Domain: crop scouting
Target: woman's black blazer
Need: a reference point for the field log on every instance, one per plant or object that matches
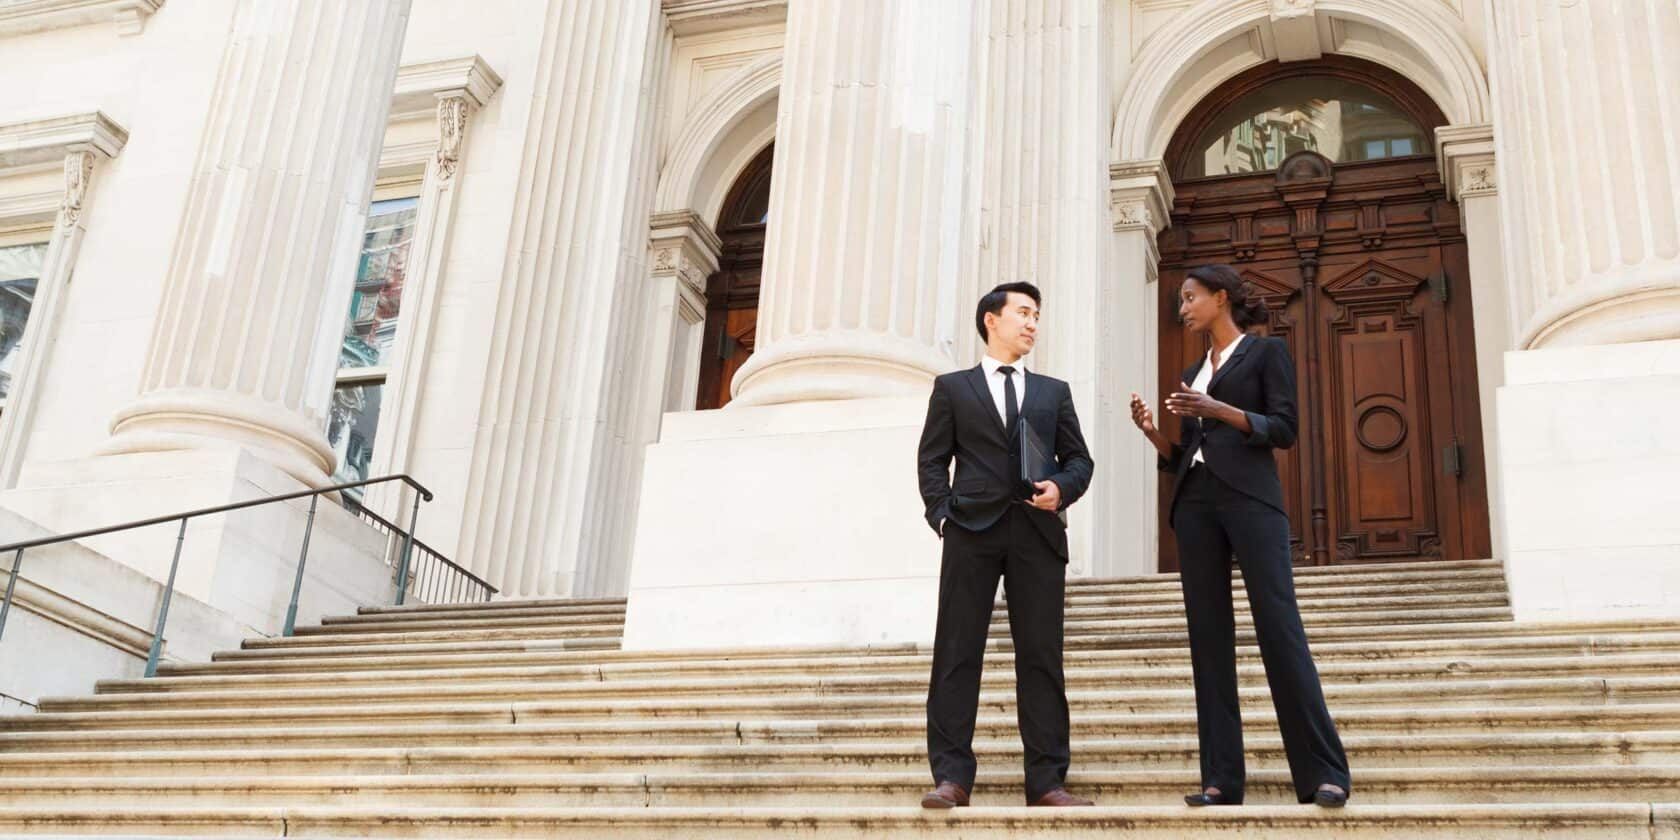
(1259, 379)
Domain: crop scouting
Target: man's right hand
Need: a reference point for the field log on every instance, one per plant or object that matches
(1142, 416)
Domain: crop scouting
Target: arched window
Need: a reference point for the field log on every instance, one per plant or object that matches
(1344, 119)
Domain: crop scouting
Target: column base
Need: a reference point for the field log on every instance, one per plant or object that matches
(784, 525)
(838, 366)
(241, 563)
(203, 419)
(1589, 461)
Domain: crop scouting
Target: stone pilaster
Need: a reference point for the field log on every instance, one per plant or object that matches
(1587, 110)
(246, 340)
(457, 89)
(684, 251)
(82, 143)
(1471, 174)
(867, 230)
(1140, 205)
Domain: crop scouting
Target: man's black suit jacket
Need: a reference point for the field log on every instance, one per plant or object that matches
(1259, 379)
(963, 423)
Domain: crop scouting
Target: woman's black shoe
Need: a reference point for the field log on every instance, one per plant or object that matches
(1198, 800)
(1330, 798)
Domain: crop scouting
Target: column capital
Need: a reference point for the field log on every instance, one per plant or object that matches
(1466, 157)
(683, 246)
(1140, 196)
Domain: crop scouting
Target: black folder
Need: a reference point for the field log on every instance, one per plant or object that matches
(1037, 460)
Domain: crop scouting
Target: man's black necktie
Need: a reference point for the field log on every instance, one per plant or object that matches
(1011, 407)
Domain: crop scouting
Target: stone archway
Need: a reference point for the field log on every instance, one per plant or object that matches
(1202, 48)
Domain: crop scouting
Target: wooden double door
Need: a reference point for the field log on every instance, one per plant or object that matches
(1364, 270)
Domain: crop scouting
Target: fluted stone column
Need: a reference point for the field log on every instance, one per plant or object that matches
(554, 460)
(1588, 110)
(1044, 208)
(866, 229)
(246, 340)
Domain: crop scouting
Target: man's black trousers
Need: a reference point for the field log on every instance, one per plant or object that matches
(1034, 577)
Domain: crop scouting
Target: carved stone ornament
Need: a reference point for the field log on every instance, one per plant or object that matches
(1478, 180)
(665, 259)
(78, 171)
(452, 127)
(1291, 8)
(693, 278)
(1128, 214)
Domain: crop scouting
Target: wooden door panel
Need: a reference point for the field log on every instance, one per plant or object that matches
(1393, 391)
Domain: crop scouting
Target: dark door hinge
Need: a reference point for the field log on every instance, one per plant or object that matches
(727, 345)
(1440, 285)
(1452, 458)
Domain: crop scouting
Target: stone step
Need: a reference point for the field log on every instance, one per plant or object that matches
(748, 677)
(1073, 630)
(1489, 590)
(1598, 821)
(531, 703)
(1305, 576)
(1073, 615)
(1264, 751)
(909, 657)
(471, 612)
(498, 604)
(597, 624)
(1355, 617)
(72, 736)
(1376, 786)
(270, 650)
(1491, 584)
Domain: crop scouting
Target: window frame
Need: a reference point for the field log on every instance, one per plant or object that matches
(394, 187)
(11, 236)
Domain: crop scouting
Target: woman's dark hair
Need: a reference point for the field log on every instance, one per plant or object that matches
(1247, 309)
(996, 299)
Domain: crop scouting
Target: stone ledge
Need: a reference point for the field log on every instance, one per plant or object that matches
(25, 16)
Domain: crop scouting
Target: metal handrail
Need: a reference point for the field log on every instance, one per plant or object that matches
(314, 496)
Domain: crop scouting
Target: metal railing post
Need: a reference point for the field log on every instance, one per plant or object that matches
(11, 584)
(163, 610)
(297, 584)
(408, 546)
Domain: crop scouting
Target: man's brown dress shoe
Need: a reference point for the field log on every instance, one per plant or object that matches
(946, 795)
(1059, 798)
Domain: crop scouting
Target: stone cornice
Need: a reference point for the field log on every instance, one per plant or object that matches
(420, 86)
(697, 17)
(48, 141)
(24, 16)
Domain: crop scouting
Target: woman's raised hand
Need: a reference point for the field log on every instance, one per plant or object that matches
(1142, 416)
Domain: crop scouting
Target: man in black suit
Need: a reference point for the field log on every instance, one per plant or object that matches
(994, 526)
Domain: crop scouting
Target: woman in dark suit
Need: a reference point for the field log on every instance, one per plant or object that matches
(1234, 407)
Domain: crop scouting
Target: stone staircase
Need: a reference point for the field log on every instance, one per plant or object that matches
(523, 719)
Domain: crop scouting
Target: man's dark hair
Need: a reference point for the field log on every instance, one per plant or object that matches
(996, 299)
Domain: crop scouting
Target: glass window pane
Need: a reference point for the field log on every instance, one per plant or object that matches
(20, 270)
(1342, 120)
(371, 327)
(350, 425)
